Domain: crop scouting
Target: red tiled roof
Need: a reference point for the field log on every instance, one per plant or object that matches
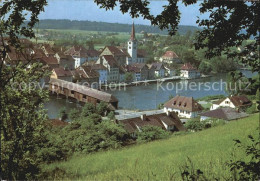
(240, 100)
(61, 72)
(78, 51)
(110, 60)
(187, 66)
(184, 103)
(170, 54)
(90, 73)
(115, 51)
(49, 60)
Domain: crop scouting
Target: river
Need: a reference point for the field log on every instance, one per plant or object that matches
(145, 97)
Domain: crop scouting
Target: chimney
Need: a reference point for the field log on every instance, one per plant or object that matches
(143, 117)
(167, 112)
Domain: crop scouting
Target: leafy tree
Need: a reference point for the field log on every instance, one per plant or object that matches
(88, 109)
(101, 108)
(195, 125)
(204, 68)
(150, 133)
(111, 115)
(21, 110)
(129, 77)
(74, 114)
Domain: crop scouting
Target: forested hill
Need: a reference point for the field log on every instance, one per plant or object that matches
(103, 26)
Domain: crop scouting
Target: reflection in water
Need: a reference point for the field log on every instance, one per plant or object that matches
(145, 97)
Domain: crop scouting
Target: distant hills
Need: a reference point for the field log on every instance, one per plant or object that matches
(109, 27)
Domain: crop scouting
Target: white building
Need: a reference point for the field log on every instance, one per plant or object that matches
(112, 67)
(240, 102)
(79, 54)
(189, 72)
(186, 107)
(159, 70)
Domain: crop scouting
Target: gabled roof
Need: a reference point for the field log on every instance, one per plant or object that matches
(238, 101)
(170, 54)
(226, 113)
(115, 51)
(187, 66)
(61, 72)
(90, 73)
(103, 96)
(132, 124)
(136, 67)
(110, 60)
(78, 51)
(49, 60)
(184, 103)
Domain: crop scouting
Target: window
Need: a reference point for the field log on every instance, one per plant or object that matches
(84, 97)
(72, 92)
(129, 47)
(227, 102)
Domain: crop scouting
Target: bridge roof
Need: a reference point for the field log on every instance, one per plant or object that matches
(103, 96)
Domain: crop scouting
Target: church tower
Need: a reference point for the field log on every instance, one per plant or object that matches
(132, 45)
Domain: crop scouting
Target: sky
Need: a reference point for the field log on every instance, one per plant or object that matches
(88, 10)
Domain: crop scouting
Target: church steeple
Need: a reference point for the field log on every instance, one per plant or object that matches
(132, 47)
(133, 32)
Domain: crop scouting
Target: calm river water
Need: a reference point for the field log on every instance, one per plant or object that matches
(145, 97)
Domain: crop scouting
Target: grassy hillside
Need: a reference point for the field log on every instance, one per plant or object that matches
(161, 160)
(103, 26)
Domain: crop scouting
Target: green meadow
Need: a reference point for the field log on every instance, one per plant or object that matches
(209, 150)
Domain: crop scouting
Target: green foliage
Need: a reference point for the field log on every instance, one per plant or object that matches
(209, 98)
(101, 108)
(74, 114)
(210, 148)
(151, 133)
(111, 115)
(129, 77)
(252, 109)
(247, 168)
(204, 68)
(88, 109)
(63, 113)
(195, 124)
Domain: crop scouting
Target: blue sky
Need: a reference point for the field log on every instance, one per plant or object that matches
(88, 10)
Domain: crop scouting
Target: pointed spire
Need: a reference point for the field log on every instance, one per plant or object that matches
(133, 32)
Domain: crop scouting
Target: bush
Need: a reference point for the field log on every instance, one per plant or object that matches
(111, 115)
(150, 133)
(195, 124)
(252, 109)
(101, 108)
(74, 114)
(88, 109)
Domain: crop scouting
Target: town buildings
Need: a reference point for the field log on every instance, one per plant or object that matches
(170, 57)
(189, 72)
(186, 107)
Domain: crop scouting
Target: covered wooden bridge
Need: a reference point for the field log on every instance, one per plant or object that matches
(81, 93)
